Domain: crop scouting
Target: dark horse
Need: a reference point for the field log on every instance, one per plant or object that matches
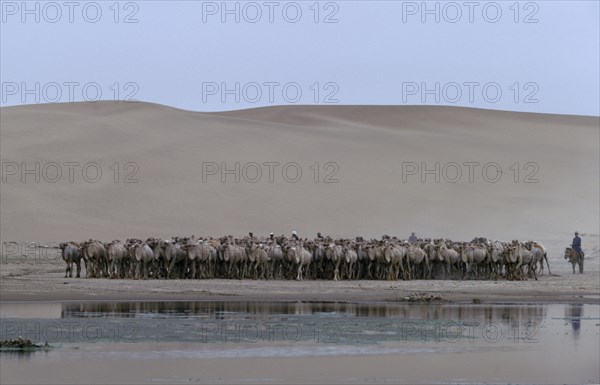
(575, 258)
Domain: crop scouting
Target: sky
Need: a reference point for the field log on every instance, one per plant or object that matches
(533, 56)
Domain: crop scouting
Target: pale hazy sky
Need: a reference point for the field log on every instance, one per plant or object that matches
(540, 56)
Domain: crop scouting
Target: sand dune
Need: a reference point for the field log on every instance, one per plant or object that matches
(368, 143)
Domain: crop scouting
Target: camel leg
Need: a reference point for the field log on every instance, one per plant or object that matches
(547, 264)
(533, 268)
(193, 272)
(336, 272)
(138, 270)
(446, 269)
(145, 270)
(171, 268)
(349, 268)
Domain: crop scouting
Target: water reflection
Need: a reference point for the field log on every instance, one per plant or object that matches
(224, 310)
(574, 313)
(30, 310)
(23, 356)
(348, 326)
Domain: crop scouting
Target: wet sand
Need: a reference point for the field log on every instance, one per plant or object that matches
(495, 365)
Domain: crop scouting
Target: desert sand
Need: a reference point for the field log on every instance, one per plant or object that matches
(367, 143)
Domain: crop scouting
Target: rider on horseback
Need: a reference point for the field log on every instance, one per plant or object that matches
(576, 245)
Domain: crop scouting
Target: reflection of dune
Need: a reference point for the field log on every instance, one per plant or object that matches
(368, 143)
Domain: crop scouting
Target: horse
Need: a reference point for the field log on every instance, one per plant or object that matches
(575, 258)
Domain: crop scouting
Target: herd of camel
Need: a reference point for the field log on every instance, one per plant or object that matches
(296, 258)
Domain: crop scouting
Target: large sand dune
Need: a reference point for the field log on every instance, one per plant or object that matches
(368, 143)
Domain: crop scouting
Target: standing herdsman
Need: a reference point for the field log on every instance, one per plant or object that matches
(576, 245)
(412, 238)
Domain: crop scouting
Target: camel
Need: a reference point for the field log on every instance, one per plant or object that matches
(394, 257)
(71, 254)
(301, 259)
(334, 254)
(539, 254)
(363, 260)
(117, 259)
(178, 260)
(496, 252)
(94, 256)
(415, 256)
(451, 257)
(476, 259)
(351, 258)
(258, 258)
(319, 259)
(160, 263)
(375, 260)
(275, 254)
(234, 257)
(200, 257)
(144, 256)
(518, 258)
(431, 255)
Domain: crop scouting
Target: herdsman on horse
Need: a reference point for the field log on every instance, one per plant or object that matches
(575, 253)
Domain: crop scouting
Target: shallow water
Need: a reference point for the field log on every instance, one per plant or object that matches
(176, 331)
(368, 325)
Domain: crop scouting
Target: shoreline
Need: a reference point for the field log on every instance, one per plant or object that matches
(45, 282)
(464, 292)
